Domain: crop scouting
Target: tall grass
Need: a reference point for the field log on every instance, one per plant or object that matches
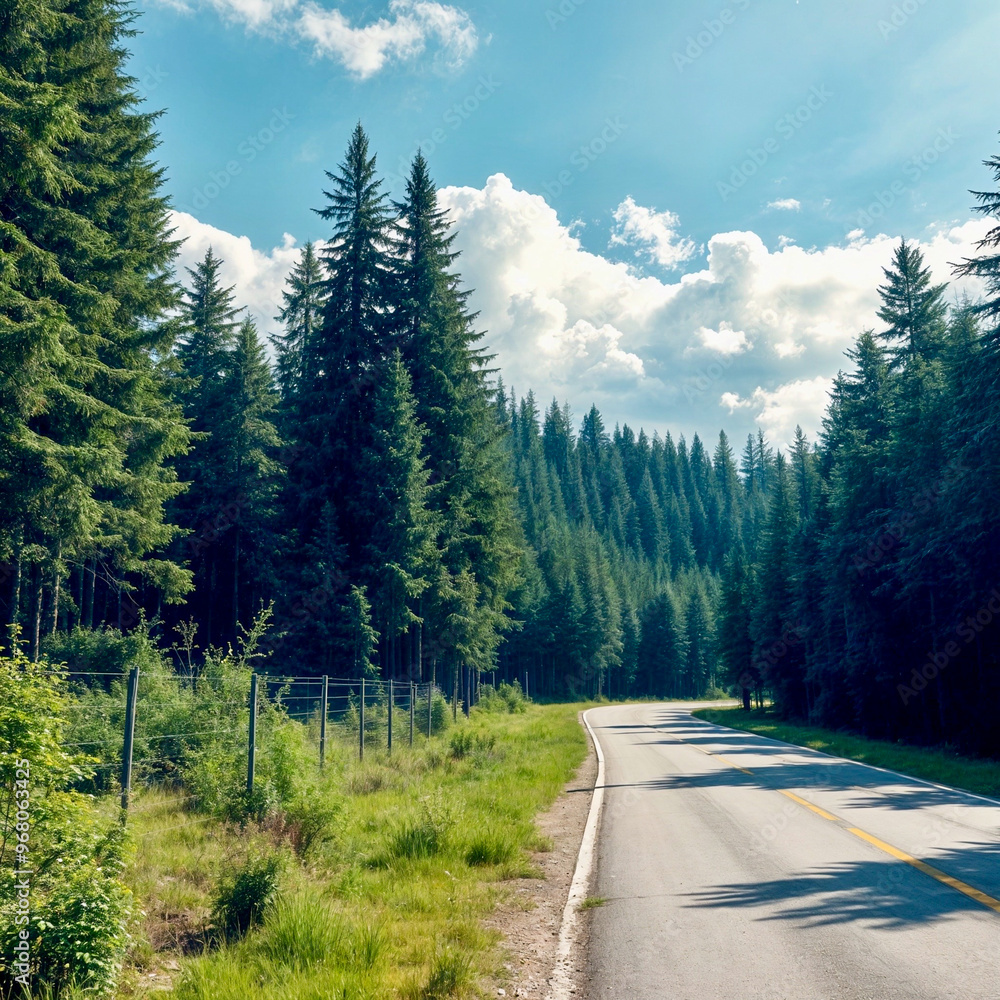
(392, 904)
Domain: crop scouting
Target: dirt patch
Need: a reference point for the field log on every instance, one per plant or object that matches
(531, 913)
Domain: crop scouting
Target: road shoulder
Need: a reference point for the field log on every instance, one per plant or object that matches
(530, 913)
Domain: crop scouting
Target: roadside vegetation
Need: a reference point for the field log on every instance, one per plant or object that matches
(940, 764)
(361, 879)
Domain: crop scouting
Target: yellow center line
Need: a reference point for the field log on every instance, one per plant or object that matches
(934, 873)
(719, 756)
(809, 805)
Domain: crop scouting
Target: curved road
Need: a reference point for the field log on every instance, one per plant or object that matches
(739, 867)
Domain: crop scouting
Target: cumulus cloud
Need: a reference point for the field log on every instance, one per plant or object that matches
(725, 340)
(258, 275)
(785, 205)
(779, 412)
(751, 321)
(652, 234)
(411, 27)
(754, 337)
(405, 35)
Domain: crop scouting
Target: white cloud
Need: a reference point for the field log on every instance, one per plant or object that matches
(785, 205)
(363, 50)
(779, 412)
(753, 338)
(653, 233)
(725, 340)
(258, 276)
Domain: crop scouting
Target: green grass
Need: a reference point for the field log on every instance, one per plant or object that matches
(392, 904)
(592, 902)
(932, 764)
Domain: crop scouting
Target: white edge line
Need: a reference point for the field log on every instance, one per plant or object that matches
(857, 763)
(561, 983)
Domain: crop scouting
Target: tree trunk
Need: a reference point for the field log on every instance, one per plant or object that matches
(236, 581)
(36, 628)
(56, 580)
(90, 582)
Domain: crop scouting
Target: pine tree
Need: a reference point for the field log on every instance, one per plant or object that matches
(986, 266)
(330, 423)
(912, 307)
(210, 506)
(401, 559)
(84, 281)
(247, 443)
(463, 440)
(303, 302)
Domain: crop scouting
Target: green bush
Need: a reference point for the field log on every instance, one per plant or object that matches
(80, 937)
(450, 974)
(312, 820)
(304, 932)
(507, 698)
(102, 651)
(79, 907)
(242, 898)
(426, 835)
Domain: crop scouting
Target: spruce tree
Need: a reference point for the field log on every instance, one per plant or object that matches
(85, 254)
(301, 314)
(912, 307)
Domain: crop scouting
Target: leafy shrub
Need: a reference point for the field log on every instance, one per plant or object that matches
(79, 939)
(311, 820)
(102, 651)
(508, 698)
(243, 898)
(79, 908)
(426, 836)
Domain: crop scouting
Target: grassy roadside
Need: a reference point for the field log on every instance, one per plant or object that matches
(389, 902)
(931, 764)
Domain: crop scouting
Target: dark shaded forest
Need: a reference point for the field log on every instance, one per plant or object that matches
(369, 483)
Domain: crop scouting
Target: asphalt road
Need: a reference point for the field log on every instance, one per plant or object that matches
(808, 878)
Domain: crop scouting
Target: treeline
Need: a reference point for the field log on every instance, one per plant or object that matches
(402, 512)
(871, 599)
(626, 536)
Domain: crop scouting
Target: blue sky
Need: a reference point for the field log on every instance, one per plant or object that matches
(653, 132)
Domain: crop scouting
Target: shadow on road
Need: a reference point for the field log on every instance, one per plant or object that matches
(889, 894)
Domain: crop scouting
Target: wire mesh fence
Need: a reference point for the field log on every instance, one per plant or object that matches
(152, 728)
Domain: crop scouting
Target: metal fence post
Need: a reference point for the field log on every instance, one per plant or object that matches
(322, 720)
(430, 705)
(361, 728)
(413, 709)
(252, 738)
(132, 691)
(392, 698)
